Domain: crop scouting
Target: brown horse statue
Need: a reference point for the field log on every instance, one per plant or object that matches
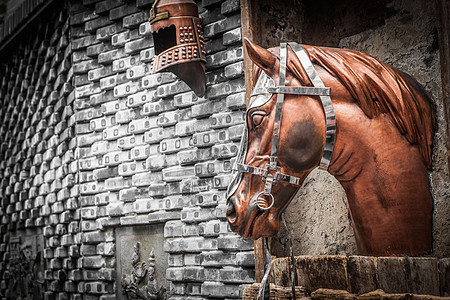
(378, 137)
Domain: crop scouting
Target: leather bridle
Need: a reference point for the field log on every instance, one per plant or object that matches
(271, 173)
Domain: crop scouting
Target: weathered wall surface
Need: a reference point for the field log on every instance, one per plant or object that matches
(99, 154)
(408, 41)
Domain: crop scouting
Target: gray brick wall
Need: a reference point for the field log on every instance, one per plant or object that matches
(151, 151)
(92, 141)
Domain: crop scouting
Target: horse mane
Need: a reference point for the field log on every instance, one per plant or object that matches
(379, 89)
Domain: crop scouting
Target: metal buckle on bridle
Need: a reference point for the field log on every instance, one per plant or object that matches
(269, 181)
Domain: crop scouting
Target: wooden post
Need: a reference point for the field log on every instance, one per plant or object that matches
(250, 23)
(251, 29)
(443, 26)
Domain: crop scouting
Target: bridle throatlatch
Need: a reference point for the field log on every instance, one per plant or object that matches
(263, 91)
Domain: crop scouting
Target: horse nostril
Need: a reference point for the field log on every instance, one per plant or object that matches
(231, 212)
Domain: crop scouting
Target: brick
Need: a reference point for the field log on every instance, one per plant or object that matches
(197, 214)
(225, 150)
(117, 183)
(108, 57)
(235, 132)
(154, 80)
(139, 98)
(134, 20)
(93, 25)
(232, 36)
(191, 126)
(236, 101)
(154, 108)
(246, 259)
(119, 39)
(237, 275)
(131, 168)
(83, 42)
(138, 72)
(234, 70)
(100, 73)
(141, 125)
(102, 147)
(98, 236)
(217, 258)
(230, 6)
(189, 244)
(146, 56)
(207, 108)
(115, 132)
(209, 138)
(135, 46)
(140, 152)
(102, 123)
(221, 290)
(100, 98)
(171, 89)
(234, 242)
(176, 202)
(106, 5)
(175, 274)
(121, 11)
(223, 25)
(91, 188)
(126, 89)
(125, 116)
(104, 173)
(177, 173)
(122, 64)
(87, 90)
(116, 158)
(161, 216)
(145, 29)
(95, 50)
(108, 83)
(144, 3)
(105, 198)
(155, 135)
(192, 156)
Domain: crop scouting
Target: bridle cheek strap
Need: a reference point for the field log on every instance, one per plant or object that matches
(320, 90)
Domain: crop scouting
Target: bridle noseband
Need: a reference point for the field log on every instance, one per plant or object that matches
(272, 178)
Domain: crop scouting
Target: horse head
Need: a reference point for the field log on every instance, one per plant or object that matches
(301, 137)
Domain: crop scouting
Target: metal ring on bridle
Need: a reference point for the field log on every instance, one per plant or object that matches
(259, 205)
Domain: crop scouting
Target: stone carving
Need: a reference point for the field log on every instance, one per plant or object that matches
(134, 286)
(25, 272)
(368, 124)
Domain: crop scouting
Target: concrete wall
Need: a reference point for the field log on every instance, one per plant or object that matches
(92, 142)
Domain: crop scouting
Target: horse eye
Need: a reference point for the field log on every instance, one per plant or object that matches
(257, 119)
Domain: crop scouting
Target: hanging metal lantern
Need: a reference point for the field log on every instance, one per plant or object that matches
(179, 43)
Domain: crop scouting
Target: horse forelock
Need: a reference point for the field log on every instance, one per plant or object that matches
(377, 88)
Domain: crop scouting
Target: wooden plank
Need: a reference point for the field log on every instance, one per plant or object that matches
(443, 26)
(250, 23)
(251, 30)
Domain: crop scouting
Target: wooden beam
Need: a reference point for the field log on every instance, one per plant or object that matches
(250, 23)
(251, 29)
(443, 26)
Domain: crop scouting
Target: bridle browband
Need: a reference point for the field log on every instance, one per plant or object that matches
(320, 90)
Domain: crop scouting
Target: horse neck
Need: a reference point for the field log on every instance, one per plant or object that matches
(384, 176)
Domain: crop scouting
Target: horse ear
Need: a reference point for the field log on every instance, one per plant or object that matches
(263, 58)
